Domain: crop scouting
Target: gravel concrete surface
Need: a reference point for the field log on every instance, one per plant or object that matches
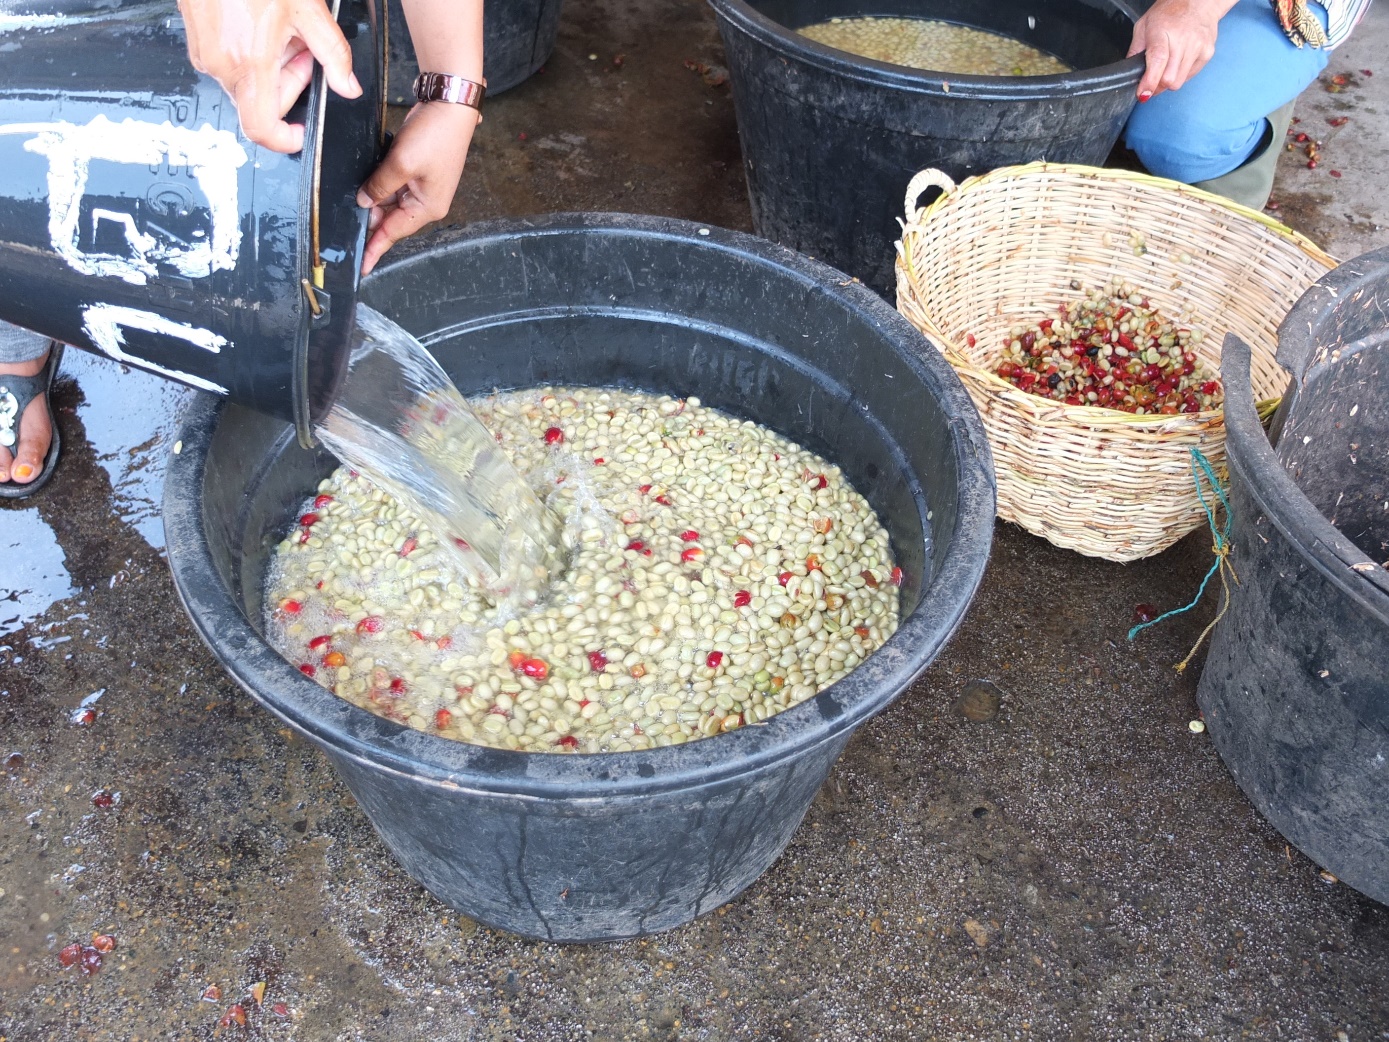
(1030, 844)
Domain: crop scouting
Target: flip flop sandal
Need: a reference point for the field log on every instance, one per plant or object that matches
(16, 392)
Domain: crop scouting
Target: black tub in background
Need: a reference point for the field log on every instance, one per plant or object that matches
(572, 847)
(831, 139)
(518, 36)
(1295, 690)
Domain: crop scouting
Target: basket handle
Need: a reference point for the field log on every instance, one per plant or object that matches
(928, 178)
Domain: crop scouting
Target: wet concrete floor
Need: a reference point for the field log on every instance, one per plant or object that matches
(1029, 844)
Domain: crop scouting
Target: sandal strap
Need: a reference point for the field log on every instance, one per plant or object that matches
(24, 389)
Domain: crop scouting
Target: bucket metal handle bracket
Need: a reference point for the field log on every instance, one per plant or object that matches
(321, 307)
(320, 303)
(318, 299)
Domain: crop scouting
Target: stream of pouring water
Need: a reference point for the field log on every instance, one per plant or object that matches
(400, 421)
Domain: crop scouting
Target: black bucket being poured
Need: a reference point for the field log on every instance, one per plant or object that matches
(137, 222)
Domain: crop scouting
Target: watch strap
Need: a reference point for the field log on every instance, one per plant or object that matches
(442, 86)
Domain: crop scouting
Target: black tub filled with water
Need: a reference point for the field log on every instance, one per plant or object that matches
(589, 847)
(1296, 688)
(830, 139)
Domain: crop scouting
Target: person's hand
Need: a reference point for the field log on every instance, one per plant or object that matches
(262, 53)
(1178, 37)
(415, 183)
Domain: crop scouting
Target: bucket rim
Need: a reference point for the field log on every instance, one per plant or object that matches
(1299, 334)
(1099, 80)
(1297, 519)
(344, 730)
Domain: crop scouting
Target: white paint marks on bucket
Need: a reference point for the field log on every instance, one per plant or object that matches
(212, 156)
(103, 323)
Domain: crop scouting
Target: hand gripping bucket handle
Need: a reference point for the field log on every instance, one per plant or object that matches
(137, 222)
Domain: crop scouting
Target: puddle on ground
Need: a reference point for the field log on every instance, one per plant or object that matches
(129, 418)
(34, 573)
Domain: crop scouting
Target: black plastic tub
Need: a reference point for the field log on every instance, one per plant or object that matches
(606, 846)
(518, 36)
(831, 139)
(1295, 690)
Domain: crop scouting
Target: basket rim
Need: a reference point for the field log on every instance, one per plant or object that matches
(915, 219)
(1085, 415)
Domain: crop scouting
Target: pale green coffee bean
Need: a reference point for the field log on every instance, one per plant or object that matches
(676, 614)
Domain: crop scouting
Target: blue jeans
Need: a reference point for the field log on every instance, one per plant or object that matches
(1216, 120)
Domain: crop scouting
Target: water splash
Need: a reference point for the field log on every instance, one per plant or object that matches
(400, 421)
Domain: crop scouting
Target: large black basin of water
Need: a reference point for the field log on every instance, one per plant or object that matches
(572, 847)
(1296, 688)
(830, 139)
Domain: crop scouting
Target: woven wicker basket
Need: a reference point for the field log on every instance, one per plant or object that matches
(1007, 247)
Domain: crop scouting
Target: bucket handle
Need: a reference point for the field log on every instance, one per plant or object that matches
(928, 178)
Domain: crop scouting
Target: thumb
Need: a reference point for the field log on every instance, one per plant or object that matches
(1158, 52)
(315, 26)
(396, 225)
(383, 184)
(256, 96)
(1140, 39)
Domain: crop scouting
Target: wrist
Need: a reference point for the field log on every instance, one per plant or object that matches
(447, 35)
(461, 119)
(456, 90)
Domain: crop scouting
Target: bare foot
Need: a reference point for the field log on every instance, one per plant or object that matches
(35, 431)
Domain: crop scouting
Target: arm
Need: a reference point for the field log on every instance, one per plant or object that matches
(1178, 37)
(262, 53)
(416, 182)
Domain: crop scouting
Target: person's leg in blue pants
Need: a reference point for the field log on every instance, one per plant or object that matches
(1219, 121)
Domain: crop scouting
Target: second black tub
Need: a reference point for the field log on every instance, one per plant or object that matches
(1296, 687)
(831, 139)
